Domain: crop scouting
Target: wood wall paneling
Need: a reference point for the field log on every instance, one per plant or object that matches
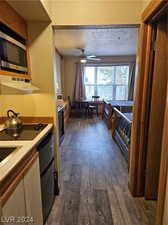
(160, 13)
(158, 100)
(163, 170)
(146, 96)
(134, 176)
(152, 9)
(161, 216)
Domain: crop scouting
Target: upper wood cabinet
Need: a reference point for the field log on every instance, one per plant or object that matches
(12, 19)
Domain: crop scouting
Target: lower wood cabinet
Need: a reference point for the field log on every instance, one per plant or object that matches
(67, 109)
(66, 113)
(14, 208)
(22, 199)
(32, 190)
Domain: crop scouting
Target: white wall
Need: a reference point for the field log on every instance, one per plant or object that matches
(57, 71)
(69, 73)
(86, 12)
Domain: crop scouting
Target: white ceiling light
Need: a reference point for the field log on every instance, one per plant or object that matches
(83, 60)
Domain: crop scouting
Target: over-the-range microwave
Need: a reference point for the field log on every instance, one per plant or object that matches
(13, 56)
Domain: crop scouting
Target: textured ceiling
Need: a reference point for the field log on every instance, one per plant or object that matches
(100, 42)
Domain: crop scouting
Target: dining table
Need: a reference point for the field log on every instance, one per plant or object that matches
(85, 102)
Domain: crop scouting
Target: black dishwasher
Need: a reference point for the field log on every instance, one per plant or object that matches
(47, 169)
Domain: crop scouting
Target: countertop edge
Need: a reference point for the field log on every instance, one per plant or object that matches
(24, 148)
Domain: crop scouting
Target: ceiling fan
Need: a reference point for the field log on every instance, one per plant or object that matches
(85, 58)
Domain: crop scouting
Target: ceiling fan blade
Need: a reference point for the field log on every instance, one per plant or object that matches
(91, 56)
(87, 57)
(94, 59)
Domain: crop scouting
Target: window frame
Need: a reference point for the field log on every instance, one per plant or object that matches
(95, 85)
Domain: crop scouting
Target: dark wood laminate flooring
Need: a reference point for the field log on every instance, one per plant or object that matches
(94, 179)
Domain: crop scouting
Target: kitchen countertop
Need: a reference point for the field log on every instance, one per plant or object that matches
(24, 147)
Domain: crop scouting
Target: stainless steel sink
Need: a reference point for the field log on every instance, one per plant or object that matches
(5, 152)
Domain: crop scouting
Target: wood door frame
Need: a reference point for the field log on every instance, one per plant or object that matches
(154, 11)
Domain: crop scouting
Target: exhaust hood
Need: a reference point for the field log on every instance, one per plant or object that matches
(17, 85)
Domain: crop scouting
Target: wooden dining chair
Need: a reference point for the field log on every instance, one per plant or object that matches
(95, 97)
(85, 107)
(94, 106)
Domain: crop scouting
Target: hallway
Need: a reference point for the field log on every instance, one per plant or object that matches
(94, 175)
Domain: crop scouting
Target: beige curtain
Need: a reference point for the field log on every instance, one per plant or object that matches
(79, 90)
(131, 82)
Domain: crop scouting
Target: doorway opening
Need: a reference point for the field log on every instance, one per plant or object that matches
(108, 87)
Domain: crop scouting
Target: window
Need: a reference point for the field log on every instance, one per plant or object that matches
(108, 82)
